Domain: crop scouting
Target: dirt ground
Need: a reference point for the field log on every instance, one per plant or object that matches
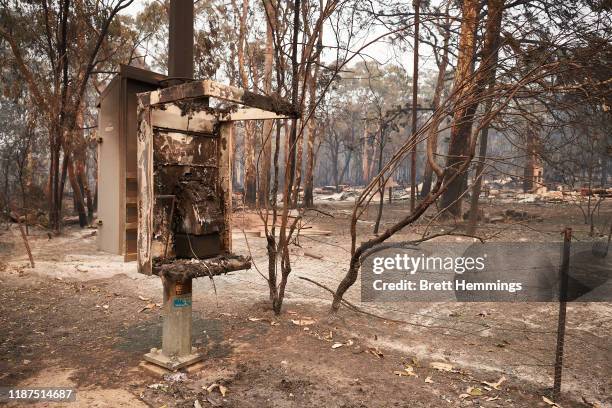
(84, 319)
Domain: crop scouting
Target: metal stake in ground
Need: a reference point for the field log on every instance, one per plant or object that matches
(563, 280)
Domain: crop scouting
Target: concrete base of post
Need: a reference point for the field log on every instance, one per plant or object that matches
(176, 349)
(173, 363)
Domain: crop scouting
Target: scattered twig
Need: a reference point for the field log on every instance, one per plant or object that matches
(357, 309)
(315, 256)
(25, 238)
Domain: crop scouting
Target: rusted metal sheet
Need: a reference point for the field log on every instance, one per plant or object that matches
(146, 191)
(207, 88)
(181, 148)
(225, 182)
(234, 114)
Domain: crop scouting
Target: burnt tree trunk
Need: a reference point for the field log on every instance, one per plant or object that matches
(381, 185)
(250, 174)
(461, 127)
(432, 137)
(310, 159)
(78, 195)
(266, 140)
(53, 185)
(312, 130)
(489, 63)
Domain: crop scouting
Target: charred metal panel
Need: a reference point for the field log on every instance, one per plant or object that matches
(183, 192)
(186, 169)
(206, 88)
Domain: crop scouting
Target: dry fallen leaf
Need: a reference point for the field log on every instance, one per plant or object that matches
(255, 319)
(147, 307)
(474, 391)
(375, 351)
(211, 387)
(406, 373)
(428, 380)
(144, 299)
(441, 366)
(492, 399)
(303, 322)
(222, 390)
(495, 385)
(551, 403)
(337, 345)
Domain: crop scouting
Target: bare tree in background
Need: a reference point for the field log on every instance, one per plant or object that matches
(56, 61)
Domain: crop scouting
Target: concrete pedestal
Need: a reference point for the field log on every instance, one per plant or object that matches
(176, 349)
(173, 363)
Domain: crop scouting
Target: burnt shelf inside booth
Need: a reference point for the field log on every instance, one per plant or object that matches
(184, 176)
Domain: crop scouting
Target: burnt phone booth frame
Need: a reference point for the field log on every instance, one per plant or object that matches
(185, 154)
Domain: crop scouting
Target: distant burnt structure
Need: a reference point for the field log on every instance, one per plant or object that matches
(533, 173)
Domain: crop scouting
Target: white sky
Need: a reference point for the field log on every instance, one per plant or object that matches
(381, 51)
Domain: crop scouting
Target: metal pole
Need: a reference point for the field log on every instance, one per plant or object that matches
(180, 39)
(415, 87)
(563, 276)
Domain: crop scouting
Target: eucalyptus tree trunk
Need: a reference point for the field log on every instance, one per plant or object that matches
(312, 129)
(432, 137)
(266, 139)
(250, 174)
(489, 64)
(463, 117)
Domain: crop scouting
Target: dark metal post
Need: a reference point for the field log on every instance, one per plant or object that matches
(563, 276)
(180, 45)
(415, 88)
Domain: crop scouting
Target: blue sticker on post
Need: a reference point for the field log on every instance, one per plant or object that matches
(179, 302)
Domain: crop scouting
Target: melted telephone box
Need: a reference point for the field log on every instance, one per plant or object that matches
(185, 195)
